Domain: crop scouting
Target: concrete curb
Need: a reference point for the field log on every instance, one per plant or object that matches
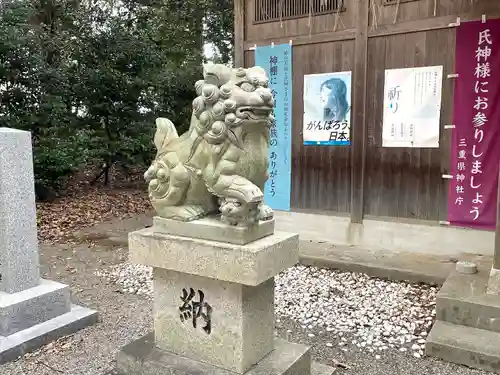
(376, 270)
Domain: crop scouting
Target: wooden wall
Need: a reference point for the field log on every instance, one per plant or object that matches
(407, 182)
(394, 182)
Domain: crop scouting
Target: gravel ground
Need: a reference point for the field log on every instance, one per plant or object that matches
(91, 351)
(372, 314)
(358, 362)
(352, 309)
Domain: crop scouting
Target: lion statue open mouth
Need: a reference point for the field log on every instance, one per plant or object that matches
(220, 163)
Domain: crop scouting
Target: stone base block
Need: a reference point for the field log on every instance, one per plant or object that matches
(494, 283)
(32, 306)
(141, 357)
(250, 264)
(214, 230)
(27, 340)
(467, 346)
(316, 369)
(224, 324)
(463, 300)
(467, 330)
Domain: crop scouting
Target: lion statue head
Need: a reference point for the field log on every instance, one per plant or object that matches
(228, 98)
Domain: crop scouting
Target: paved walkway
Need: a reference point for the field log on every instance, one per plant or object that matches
(384, 264)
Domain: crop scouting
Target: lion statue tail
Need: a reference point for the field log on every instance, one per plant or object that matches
(165, 133)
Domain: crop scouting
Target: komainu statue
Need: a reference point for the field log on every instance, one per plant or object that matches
(220, 163)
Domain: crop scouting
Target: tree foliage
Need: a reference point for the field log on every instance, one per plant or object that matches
(219, 18)
(89, 77)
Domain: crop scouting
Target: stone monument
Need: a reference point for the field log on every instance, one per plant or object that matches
(33, 311)
(212, 246)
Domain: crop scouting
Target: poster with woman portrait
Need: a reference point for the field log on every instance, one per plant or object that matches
(327, 109)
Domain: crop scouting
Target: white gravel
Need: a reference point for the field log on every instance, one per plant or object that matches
(371, 314)
(131, 278)
(376, 314)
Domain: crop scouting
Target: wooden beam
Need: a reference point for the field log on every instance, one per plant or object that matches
(338, 36)
(434, 23)
(359, 124)
(428, 24)
(239, 33)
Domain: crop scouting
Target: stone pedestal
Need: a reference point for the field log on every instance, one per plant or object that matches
(33, 311)
(494, 282)
(238, 331)
(213, 301)
(142, 357)
(467, 328)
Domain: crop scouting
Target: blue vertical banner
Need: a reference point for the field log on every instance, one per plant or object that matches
(276, 60)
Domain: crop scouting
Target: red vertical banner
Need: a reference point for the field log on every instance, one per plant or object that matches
(475, 149)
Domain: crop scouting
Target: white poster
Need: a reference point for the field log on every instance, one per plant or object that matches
(412, 107)
(327, 109)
